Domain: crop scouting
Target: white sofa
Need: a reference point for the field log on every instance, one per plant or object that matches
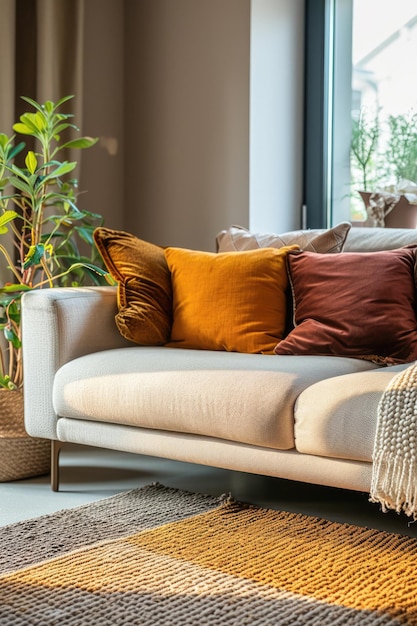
(307, 418)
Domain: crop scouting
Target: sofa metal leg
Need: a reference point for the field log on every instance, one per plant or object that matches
(55, 450)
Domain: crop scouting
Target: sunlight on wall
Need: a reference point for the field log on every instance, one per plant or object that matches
(276, 104)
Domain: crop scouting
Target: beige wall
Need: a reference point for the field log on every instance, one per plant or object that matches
(187, 118)
(102, 181)
(169, 87)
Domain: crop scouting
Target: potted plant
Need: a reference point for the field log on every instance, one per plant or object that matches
(41, 229)
(386, 170)
(364, 145)
(401, 150)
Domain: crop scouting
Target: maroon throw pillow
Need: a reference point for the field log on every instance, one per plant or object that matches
(354, 304)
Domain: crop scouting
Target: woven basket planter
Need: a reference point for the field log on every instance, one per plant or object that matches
(21, 456)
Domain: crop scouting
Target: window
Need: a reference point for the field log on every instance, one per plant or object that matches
(362, 67)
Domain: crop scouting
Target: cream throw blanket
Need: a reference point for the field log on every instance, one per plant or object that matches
(394, 474)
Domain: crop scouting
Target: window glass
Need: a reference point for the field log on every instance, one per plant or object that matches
(379, 151)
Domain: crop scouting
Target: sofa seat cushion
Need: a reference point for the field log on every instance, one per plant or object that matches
(247, 398)
(337, 417)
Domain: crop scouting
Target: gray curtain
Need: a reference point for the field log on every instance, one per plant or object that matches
(43, 42)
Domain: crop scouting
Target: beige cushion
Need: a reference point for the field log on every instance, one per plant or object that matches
(337, 417)
(247, 398)
(237, 238)
(219, 453)
(375, 239)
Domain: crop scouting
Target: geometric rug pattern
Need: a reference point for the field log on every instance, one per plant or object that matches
(156, 556)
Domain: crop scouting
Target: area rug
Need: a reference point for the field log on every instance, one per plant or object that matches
(158, 556)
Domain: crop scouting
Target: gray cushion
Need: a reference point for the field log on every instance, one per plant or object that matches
(375, 239)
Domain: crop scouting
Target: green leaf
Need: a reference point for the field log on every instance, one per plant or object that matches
(89, 266)
(16, 150)
(86, 234)
(61, 102)
(35, 121)
(81, 142)
(49, 106)
(5, 218)
(21, 185)
(31, 162)
(23, 129)
(12, 338)
(11, 196)
(6, 300)
(61, 127)
(18, 172)
(34, 256)
(14, 288)
(39, 120)
(102, 278)
(29, 119)
(62, 169)
(35, 104)
(51, 164)
(7, 383)
(65, 168)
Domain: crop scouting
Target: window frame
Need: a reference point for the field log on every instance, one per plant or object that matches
(319, 15)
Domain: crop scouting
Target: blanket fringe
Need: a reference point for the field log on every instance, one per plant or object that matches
(394, 483)
(394, 471)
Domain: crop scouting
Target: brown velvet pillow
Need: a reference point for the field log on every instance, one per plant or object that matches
(354, 304)
(144, 286)
(237, 238)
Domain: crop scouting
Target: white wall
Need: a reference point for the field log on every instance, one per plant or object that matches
(339, 198)
(276, 114)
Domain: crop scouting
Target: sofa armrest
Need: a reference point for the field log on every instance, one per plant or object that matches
(59, 325)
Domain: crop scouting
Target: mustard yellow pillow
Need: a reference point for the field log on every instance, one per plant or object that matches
(144, 286)
(233, 301)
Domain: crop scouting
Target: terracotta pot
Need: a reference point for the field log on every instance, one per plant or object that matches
(403, 215)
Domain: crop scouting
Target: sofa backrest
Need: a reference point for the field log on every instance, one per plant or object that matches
(365, 239)
(341, 237)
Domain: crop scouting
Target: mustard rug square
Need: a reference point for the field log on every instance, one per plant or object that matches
(159, 556)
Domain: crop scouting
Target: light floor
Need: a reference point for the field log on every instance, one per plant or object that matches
(89, 474)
